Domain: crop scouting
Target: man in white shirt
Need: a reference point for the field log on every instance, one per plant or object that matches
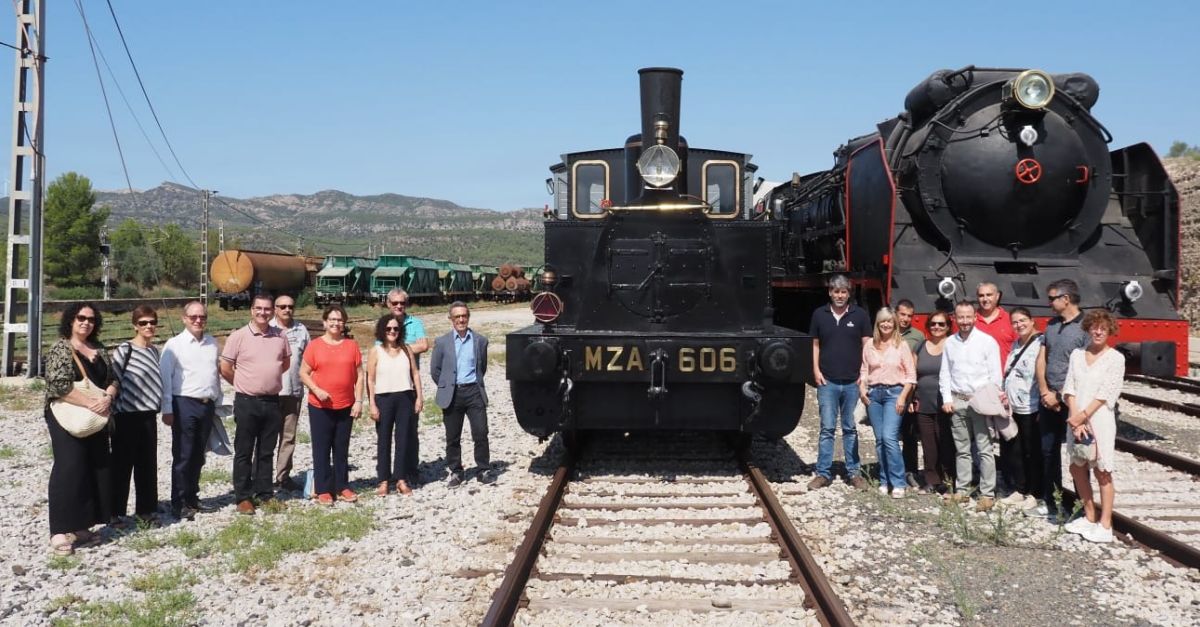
(970, 360)
(191, 390)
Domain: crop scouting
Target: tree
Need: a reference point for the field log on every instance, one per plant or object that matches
(135, 260)
(180, 256)
(1182, 149)
(72, 236)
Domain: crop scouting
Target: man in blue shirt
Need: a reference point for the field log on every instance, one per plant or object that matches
(458, 366)
(839, 331)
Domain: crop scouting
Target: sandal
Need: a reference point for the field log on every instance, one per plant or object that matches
(62, 544)
(382, 490)
(85, 538)
(402, 488)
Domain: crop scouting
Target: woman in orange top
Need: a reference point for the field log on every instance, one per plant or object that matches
(332, 370)
(887, 376)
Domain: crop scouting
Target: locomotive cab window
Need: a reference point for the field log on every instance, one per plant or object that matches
(722, 188)
(589, 188)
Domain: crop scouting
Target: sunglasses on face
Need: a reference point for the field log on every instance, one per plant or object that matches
(393, 329)
(1054, 298)
(199, 318)
(147, 323)
(939, 324)
(398, 303)
(83, 318)
(285, 306)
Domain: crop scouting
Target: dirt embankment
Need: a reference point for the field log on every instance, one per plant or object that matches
(1185, 173)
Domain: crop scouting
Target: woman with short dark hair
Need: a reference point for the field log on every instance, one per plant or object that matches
(135, 430)
(80, 491)
(396, 400)
(1093, 386)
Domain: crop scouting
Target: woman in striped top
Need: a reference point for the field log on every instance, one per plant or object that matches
(396, 400)
(135, 434)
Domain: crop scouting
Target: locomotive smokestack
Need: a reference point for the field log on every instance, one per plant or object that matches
(661, 87)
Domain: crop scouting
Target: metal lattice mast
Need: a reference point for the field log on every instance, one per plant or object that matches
(204, 249)
(23, 277)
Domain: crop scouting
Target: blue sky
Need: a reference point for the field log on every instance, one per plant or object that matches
(471, 101)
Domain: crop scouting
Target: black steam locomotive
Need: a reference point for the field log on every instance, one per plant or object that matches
(994, 175)
(657, 305)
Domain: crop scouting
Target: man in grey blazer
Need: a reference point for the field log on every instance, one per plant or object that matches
(458, 366)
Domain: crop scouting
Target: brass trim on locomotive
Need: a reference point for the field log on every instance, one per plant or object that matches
(574, 179)
(737, 188)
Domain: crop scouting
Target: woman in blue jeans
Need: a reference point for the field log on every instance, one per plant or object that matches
(888, 375)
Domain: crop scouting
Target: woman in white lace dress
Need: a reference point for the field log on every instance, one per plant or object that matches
(1092, 388)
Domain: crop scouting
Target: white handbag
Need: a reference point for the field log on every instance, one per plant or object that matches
(80, 422)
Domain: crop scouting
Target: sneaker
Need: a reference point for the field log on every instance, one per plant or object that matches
(985, 503)
(858, 483)
(347, 496)
(1016, 498)
(456, 479)
(325, 498)
(1038, 511)
(1030, 502)
(1079, 526)
(883, 490)
(1098, 534)
(817, 483)
(898, 493)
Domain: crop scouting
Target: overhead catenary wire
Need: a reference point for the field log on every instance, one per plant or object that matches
(104, 93)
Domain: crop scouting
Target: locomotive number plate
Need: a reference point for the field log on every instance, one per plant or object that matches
(685, 360)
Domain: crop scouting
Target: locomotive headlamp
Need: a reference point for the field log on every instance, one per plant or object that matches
(1033, 89)
(946, 287)
(658, 165)
(1132, 291)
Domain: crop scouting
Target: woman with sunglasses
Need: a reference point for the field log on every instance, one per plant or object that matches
(135, 434)
(80, 494)
(332, 370)
(937, 446)
(396, 401)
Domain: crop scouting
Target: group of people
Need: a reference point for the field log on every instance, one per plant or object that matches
(978, 383)
(270, 363)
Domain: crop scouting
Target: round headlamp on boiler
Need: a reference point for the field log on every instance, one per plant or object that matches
(1031, 89)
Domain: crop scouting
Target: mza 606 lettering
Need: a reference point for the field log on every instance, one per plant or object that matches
(656, 311)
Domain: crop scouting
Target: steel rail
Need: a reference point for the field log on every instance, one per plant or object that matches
(1181, 384)
(508, 597)
(1170, 548)
(819, 592)
(1158, 456)
(1158, 403)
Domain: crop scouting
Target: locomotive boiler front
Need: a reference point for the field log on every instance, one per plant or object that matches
(987, 154)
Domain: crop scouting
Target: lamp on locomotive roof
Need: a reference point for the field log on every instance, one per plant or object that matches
(659, 165)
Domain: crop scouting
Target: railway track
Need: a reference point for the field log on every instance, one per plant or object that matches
(695, 531)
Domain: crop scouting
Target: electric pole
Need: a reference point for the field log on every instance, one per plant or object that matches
(23, 276)
(221, 237)
(204, 249)
(105, 263)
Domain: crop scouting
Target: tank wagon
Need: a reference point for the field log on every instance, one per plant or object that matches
(416, 275)
(344, 280)
(999, 175)
(657, 310)
(238, 274)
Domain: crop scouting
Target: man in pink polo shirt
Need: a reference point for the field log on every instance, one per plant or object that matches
(254, 358)
(992, 319)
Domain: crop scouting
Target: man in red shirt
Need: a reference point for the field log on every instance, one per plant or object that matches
(992, 319)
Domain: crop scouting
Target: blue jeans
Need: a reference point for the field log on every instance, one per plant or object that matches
(832, 399)
(885, 422)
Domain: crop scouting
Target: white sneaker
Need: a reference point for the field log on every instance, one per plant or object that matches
(1098, 534)
(1030, 502)
(1039, 511)
(1016, 498)
(898, 493)
(883, 490)
(1080, 526)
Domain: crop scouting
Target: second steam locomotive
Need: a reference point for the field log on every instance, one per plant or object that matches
(657, 312)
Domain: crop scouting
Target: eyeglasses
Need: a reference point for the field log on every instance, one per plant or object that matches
(199, 318)
(939, 324)
(1054, 298)
(393, 329)
(147, 323)
(395, 303)
(333, 320)
(460, 316)
(285, 306)
(83, 318)
(262, 310)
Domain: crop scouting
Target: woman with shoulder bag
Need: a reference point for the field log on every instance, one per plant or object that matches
(396, 401)
(1020, 457)
(80, 491)
(135, 432)
(1093, 386)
